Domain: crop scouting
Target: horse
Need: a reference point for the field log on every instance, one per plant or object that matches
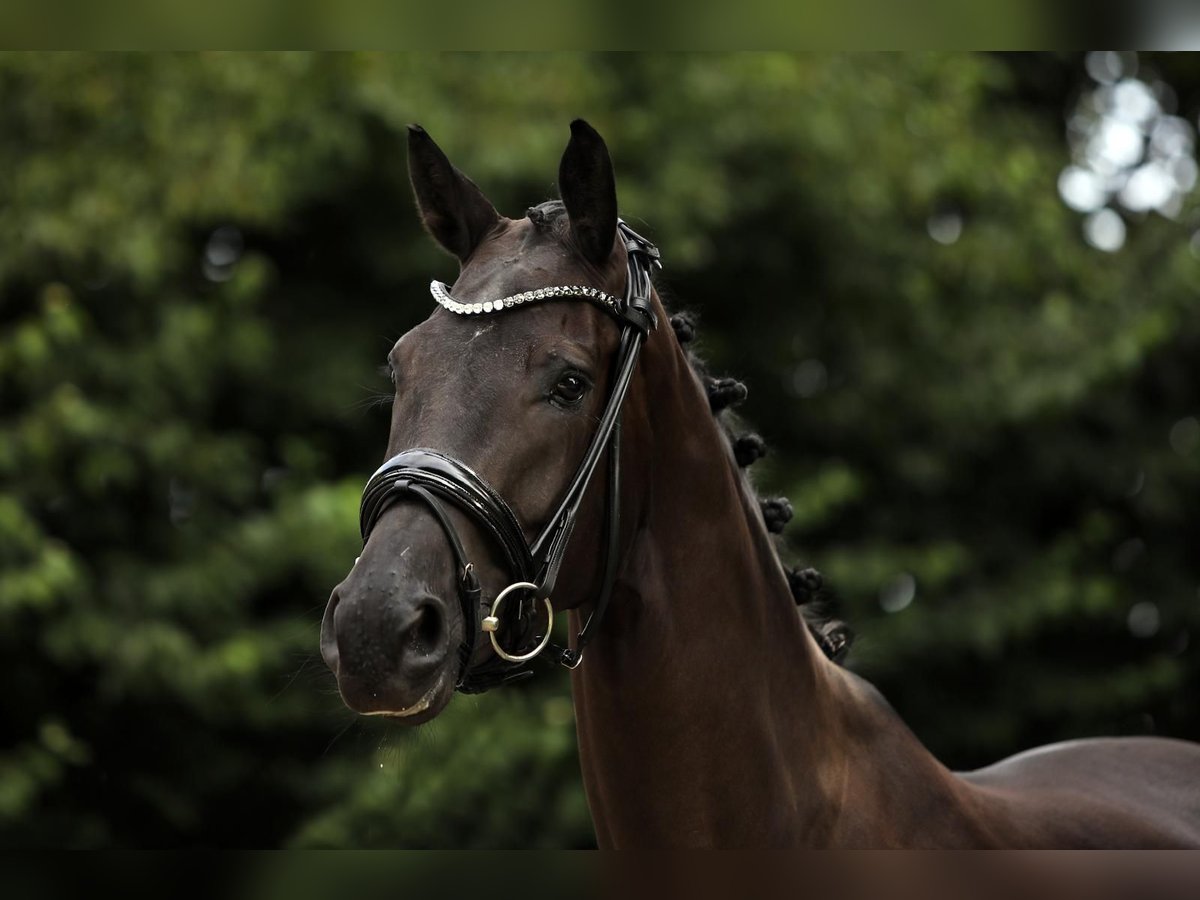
(554, 447)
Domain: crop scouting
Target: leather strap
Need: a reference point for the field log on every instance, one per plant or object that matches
(573, 656)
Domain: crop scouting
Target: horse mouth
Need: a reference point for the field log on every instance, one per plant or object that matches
(414, 709)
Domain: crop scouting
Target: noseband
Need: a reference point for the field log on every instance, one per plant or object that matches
(437, 479)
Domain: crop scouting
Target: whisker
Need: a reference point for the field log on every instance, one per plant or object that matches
(374, 399)
(292, 680)
(337, 737)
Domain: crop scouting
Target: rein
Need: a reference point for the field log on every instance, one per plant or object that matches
(437, 479)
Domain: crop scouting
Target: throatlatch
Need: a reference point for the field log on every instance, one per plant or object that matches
(436, 479)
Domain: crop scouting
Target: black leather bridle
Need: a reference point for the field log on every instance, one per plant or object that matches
(437, 479)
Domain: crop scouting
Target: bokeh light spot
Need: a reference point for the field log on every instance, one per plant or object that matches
(810, 378)
(1185, 436)
(1143, 619)
(1082, 189)
(898, 593)
(945, 228)
(1104, 230)
(1127, 149)
(221, 253)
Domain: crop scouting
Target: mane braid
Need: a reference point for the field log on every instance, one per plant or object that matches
(807, 585)
(808, 589)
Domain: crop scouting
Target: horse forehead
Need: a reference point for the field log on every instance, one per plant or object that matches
(447, 350)
(446, 346)
(517, 258)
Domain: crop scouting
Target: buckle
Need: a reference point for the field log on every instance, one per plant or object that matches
(569, 658)
(635, 243)
(639, 244)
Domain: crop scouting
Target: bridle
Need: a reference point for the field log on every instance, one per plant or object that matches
(437, 479)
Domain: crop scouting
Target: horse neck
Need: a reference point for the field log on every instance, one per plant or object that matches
(706, 713)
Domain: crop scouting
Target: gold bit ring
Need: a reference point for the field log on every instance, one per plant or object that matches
(491, 624)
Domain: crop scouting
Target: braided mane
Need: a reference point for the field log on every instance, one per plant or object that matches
(807, 585)
(832, 635)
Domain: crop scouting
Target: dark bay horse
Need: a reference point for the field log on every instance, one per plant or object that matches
(710, 713)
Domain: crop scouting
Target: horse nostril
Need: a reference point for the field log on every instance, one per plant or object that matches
(425, 634)
(328, 641)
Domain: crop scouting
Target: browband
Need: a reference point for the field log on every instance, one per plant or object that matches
(605, 301)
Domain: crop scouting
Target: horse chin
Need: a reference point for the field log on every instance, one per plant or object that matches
(428, 706)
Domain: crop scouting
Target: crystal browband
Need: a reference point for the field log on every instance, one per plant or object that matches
(441, 294)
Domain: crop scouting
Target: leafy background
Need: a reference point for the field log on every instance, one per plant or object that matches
(988, 425)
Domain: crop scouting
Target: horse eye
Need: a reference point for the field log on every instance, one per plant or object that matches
(570, 389)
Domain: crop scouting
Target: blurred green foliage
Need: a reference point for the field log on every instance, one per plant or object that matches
(204, 258)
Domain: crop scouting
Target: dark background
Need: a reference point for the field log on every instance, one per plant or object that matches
(982, 402)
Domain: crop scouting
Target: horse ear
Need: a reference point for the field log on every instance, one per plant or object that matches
(589, 192)
(452, 208)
